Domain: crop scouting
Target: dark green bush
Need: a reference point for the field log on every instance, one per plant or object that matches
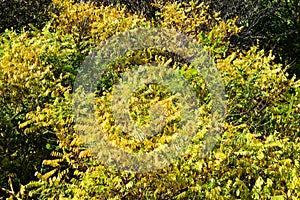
(17, 14)
(274, 23)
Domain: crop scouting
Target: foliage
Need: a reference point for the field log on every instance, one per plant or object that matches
(256, 157)
(142, 7)
(37, 67)
(30, 78)
(18, 14)
(275, 24)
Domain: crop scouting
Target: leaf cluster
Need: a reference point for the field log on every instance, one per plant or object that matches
(42, 156)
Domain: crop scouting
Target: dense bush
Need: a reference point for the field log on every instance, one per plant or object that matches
(37, 67)
(17, 14)
(33, 72)
(256, 157)
(275, 24)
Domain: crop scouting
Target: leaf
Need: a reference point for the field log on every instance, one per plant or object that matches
(279, 197)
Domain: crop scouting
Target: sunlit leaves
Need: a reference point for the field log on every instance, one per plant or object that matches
(257, 154)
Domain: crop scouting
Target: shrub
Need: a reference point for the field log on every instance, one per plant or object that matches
(18, 14)
(257, 154)
(36, 69)
(273, 24)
